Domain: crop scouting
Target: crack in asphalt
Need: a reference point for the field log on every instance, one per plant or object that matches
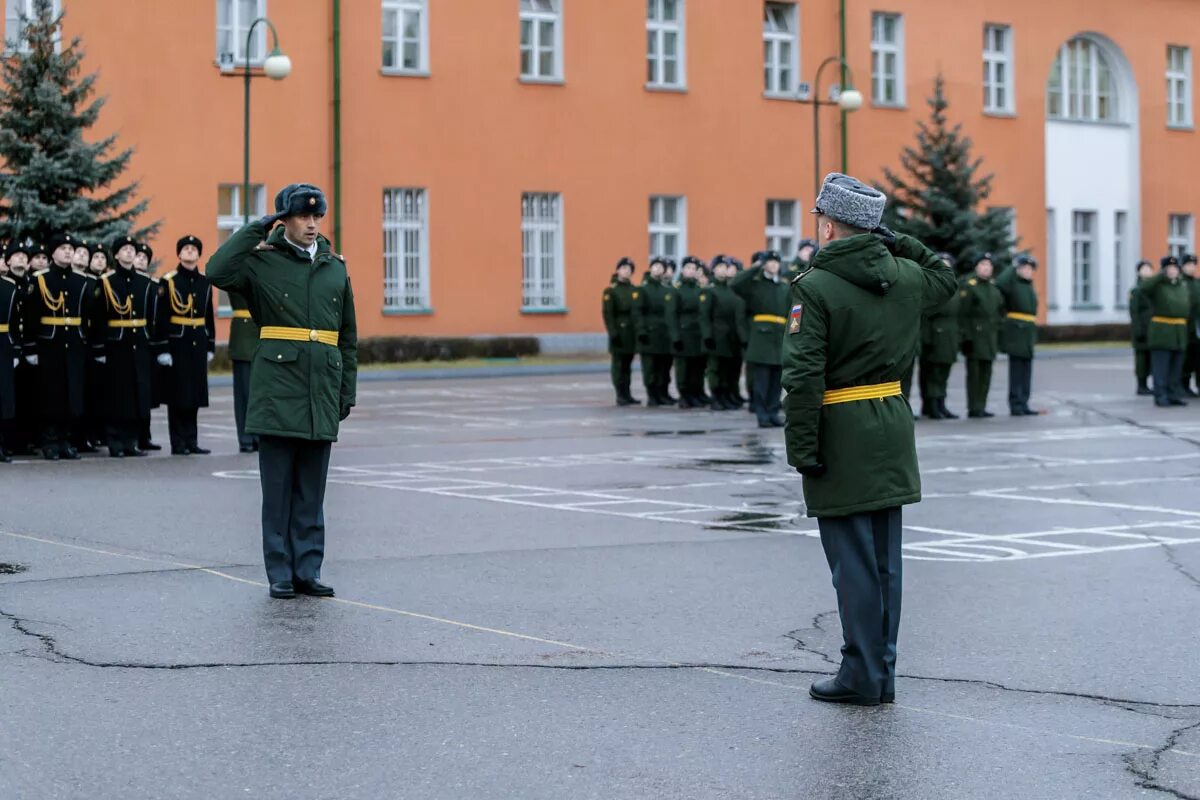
(804, 647)
(1144, 766)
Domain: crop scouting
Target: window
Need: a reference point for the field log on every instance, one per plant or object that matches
(541, 40)
(664, 43)
(1179, 86)
(234, 18)
(405, 36)
(782, 233)
(1052, 273)
(542, 252)
(405, 250)
(781, 48)
(1082, 85)
(997, 69)
(1121, 258)
(14, 30)
(668, 227)
(231, 216)
(1180, 235)
(1083, 257)
(887, 59)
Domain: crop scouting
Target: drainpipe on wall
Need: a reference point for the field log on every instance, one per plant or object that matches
(842, 53)
(337, 125)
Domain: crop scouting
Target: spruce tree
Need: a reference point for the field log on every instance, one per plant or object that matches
(940, 197)
(54, 179)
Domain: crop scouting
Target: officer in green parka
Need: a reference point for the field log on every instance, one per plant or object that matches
(805, 251)
(304, 377)
(724, 329)
(1166, 301)
(1018, 332)
(653, 333)
(939, 351)
(853, 323)
(766, 298)
(687, 342)
(1139, 329)
(617, 307)
(980, 309)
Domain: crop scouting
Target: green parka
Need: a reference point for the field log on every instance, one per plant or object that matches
(1017, 336)
(243, 330)
(940, 333)
(618, 318)
(650, 317)
(855, 321)
(766, 311)
(723, 323)
(683, 318)
(1167, 304)
(980, 310)
(300, 389)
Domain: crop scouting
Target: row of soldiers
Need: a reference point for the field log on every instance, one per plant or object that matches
(1164, 312)
(90, 342)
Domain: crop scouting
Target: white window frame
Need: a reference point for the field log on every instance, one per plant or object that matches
(1179, 86)
(543, 273)
(398, 9)
(1121, 257)
(1084, 257)
(998, 69)
(14, 33)
(661, 228)
(405, 250)
(235, 219)
(1181, 235)
(880, 50)
(1077, 70)
(535, 14)
(781, 76)
(778, 231)
(658, 32)
(237, 28)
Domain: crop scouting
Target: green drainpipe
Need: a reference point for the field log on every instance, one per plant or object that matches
(842, 53)
(337, 125)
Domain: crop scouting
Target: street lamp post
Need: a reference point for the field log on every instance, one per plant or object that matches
(849, 99)
(276, 66)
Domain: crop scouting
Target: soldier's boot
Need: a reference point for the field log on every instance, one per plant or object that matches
(946, 413)
(932, 410)
(1143, 388)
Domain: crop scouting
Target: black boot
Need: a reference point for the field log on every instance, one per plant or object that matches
(932, 410)
(1143, 389)
(946, 413)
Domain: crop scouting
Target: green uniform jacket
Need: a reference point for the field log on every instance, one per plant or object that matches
(940, 334)
(723, 323)
(764, 298)
(1139, 318)
(243, 331)
(1165, 299)
(650, 317)
(980, 311)
(796, 266)
(854, 322)
(1017, 337)
(683, 318)
(618, 318)
(300, 389)
(1194, 318)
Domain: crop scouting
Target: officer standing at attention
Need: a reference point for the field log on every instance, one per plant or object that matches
(1191, 358)
(653, 335)
(854, 321)
(804, 256)
(766, 298)
(724, 330)
(305, 373)
(1139, 328)
(95, 428)
(1018, 332)
(683, 319)
(622, 339)
(10, 352)
(185, 322)
(24, 427)
(1166, 301)
(980, 308)
(939, 351)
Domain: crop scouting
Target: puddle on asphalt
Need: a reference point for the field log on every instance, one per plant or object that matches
(11, 569)
(751, 519)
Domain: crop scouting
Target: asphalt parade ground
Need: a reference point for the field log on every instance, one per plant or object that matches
(541, 595)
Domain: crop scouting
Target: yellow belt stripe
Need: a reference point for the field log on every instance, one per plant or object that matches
(68, 321)
(299, 335)
(874, 391)
(241, 313)
(4, 328)
(1170, 320)
(1022, 317)
(127, 323)
(770, 318)
(191, 322)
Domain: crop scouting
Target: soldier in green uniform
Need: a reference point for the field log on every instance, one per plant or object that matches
(756, 260)
(725, 331)
(854, 319)
(683, 320)
(653, 334)
(305, 373)
(1139, 328)
(939, 350)
(980, 309)
(1018, 332)
(617, 308)
(1191, 358)
(766, 298)
(1166, 301)
(805, 251)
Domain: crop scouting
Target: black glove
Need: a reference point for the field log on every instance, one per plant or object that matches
(345, 413)
(269, 220)
(677, 347)
(710, 344)
(884, 234)
(967, 347)
(812, 470)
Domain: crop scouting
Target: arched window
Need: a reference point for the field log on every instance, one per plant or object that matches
(1082, 85)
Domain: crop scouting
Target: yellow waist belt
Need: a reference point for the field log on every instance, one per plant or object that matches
(1022, 317)
(874, 391)
(127, 323)
(1170, 320)
(4, 328)
(191, 322)
(241, 313)
(770, 318)
(67, 321)
(299, 335)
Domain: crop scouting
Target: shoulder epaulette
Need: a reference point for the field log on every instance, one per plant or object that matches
(41, 272)
(972, 282)
(338, 256)
(264, 246)
(6, 278)
(109, 273)
(170, 275)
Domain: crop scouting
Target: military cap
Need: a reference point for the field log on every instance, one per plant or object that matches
(57, 240)
(146, 250)
(194, 241)
(670, 264)
(17, 246)
(1142, 263)
(1168, 261)
(658, 260)
(718, 259)
(771, 255)
(737, 264)
(121, 241)
(758, 257)
(38, 249)
(300, 198)
(1026, 260)
(984, 257)
(946, 257)
(806, 243)
(850, 201)
(1188, 258)
(692, 260)
(626, 262)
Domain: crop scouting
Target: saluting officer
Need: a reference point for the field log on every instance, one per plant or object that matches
(617, 308)
(683, 319)
(766, 298)
(1018, 332)
(980, 308)
(10, 352)
(1166, 300)
(725, 331)
(305, 374)
(939, 351)
(653, 333)
(185, 321)
(1139, 329)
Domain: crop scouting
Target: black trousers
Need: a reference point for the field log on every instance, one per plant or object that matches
(689, 375)
(934, 379)
(1165, 364)
(1141, 365)
(728, 376)
(863, 551)
(144, 433)
(1191, 364)
(241, 400)
(1020, 382)
(766, 393)
(979, 383)
(181, 422)
(656, 375)
(56, 434)
(622, 374)
(292, 473)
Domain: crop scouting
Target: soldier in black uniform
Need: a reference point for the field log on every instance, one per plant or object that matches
(142, 259)
(88, 435)
(10, 352)
(184, 319)
(23, 428)
(54, 340)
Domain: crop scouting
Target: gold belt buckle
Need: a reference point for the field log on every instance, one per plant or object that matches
(312, 335)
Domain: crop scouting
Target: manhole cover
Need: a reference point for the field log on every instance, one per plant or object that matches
(11, 569)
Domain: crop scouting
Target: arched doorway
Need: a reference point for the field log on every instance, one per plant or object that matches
(1093, 186)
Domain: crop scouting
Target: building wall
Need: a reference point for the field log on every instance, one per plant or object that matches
(475, 137)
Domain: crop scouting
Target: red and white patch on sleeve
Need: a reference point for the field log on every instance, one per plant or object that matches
(794, 319)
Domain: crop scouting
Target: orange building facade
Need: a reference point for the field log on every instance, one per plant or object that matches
(498, 156)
